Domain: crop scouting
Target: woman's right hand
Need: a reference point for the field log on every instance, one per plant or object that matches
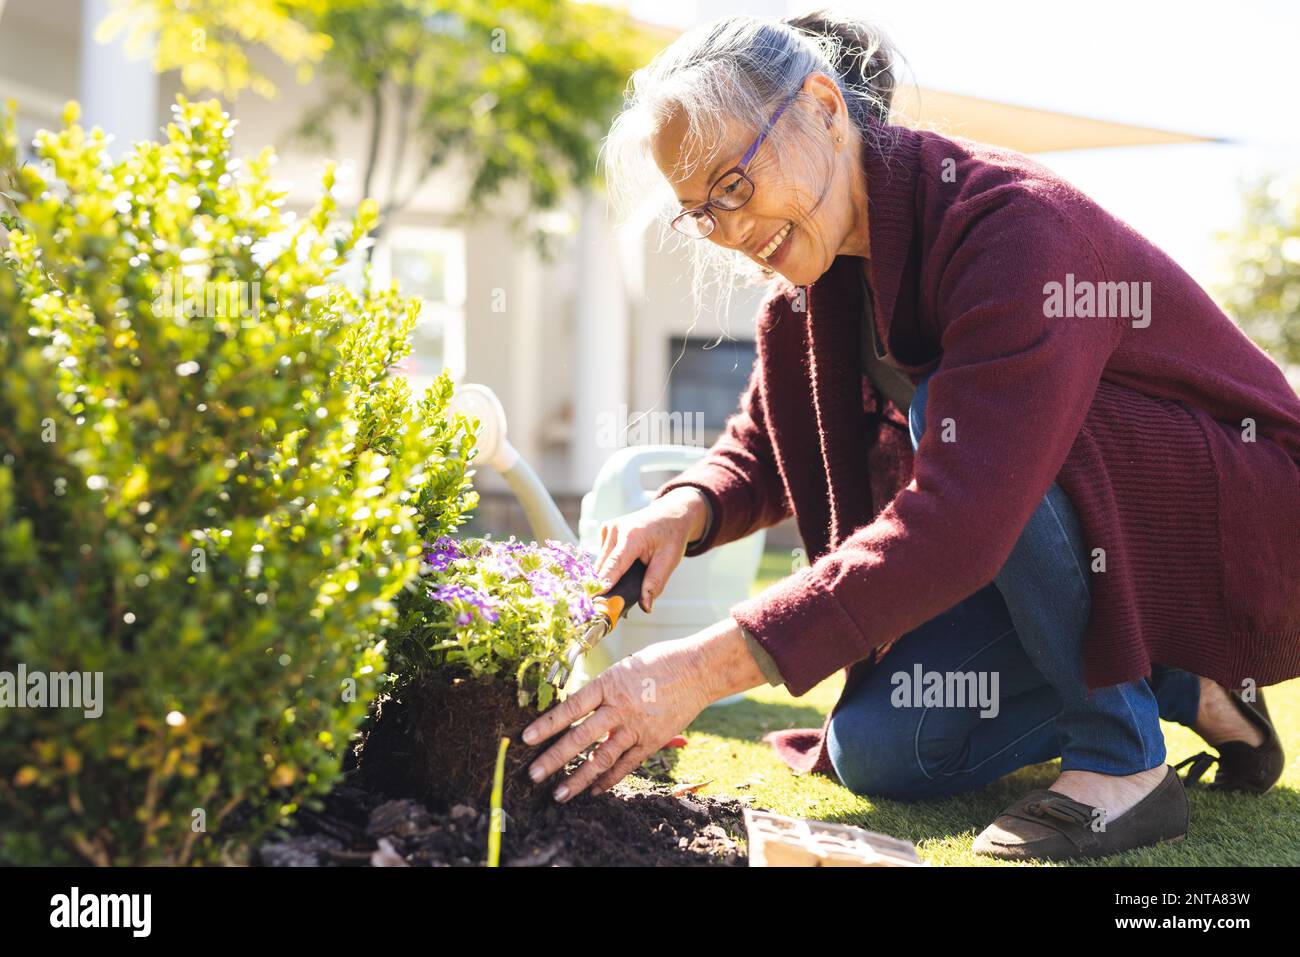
(657, 534)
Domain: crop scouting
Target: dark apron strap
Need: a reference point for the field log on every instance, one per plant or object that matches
(895, 385)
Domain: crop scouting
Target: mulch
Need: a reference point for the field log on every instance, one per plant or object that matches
(640, 822)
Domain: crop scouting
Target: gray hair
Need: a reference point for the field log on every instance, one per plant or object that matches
(742, 68)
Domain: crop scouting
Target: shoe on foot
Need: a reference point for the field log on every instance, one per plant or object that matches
(1048, 826)
(1241, 766)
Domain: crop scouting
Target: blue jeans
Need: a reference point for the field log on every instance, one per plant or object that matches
(1022, 636)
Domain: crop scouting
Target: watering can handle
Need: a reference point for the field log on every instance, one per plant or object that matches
(653, 458)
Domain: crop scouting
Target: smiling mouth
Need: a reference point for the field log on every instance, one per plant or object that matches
(775, 242)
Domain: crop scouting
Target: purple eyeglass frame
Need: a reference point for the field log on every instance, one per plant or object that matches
(738, 168)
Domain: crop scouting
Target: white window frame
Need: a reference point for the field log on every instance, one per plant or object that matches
(450, 243)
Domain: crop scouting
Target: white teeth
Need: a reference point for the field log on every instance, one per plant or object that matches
(776, 242)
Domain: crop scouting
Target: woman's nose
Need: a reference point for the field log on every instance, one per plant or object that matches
(732, 230)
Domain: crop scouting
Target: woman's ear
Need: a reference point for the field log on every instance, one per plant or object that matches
(826, 94)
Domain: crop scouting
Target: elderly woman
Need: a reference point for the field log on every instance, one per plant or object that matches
(1026, 452)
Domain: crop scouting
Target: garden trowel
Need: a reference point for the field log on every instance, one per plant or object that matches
(610, 607)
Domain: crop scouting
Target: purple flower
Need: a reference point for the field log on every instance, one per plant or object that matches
(584, 609)
(563, 576)
(504, 562)
(543, 583)
(485, 604)
(439, 554)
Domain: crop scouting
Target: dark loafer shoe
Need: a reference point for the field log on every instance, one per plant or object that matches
(1048, 826)
(1242, 767)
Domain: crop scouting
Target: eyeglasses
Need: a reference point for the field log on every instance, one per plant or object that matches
(730, 191)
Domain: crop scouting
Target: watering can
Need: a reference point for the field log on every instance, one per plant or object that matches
(700, 591)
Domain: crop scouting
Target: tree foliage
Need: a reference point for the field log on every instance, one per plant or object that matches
(208, 41)
(516, 92)
(1264, 253)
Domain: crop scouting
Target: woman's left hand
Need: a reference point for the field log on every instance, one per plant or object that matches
(638, 704)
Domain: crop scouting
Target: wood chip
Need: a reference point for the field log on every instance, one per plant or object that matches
(690, 788)
(387, 856)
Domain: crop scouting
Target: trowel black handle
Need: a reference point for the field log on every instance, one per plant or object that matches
(626, 591)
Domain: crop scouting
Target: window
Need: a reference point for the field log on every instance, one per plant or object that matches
(709, 381)
(429, 263)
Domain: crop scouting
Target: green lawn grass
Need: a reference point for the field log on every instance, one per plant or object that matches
(725, 749)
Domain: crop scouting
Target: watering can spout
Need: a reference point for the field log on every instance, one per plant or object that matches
(494, 449)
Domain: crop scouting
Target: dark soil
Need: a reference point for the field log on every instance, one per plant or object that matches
(635, 824)
(417, 793)
(436, 740)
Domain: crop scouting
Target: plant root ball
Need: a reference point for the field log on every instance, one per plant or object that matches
(436, 737)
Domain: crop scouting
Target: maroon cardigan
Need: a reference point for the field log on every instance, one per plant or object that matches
(1144, 422)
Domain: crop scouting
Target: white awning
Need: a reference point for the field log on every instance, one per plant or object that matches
(1022, 128)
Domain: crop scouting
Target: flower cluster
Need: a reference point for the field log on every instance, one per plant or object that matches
(463, 593)
(497, 608)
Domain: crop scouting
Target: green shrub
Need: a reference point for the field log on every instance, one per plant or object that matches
(209, 493)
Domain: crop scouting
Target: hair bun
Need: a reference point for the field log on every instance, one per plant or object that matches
(862, 55)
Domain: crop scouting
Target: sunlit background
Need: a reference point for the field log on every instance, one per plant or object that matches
(1172, 112)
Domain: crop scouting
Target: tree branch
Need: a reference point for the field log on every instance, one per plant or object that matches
(405, 102)
(376, 135)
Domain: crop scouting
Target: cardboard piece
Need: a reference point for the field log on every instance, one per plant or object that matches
(779, 841)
